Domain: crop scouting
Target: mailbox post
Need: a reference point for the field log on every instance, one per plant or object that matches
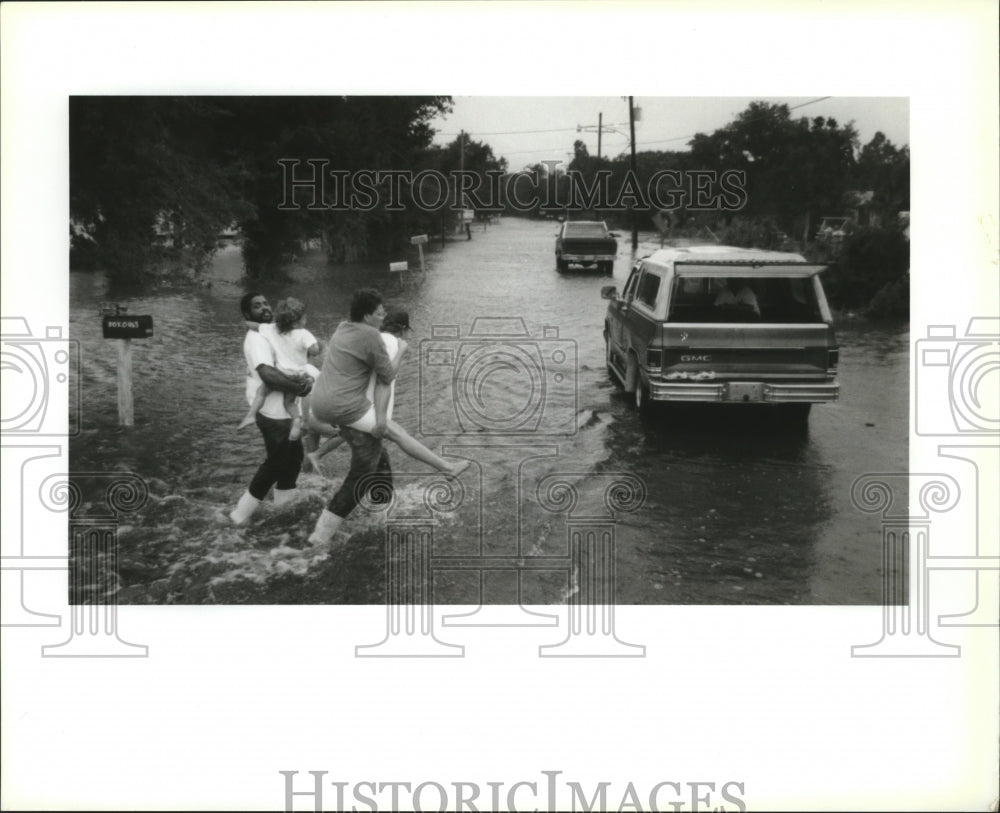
(419, 241)
(116, 323)
(399, 267)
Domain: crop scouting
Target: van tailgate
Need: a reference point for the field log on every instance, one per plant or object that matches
(743, 351)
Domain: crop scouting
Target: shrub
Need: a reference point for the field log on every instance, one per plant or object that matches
(872, 261)
(892, 300)
(754, 232)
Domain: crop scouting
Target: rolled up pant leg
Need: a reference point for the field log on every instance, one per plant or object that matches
(284, 458)
(367, 457)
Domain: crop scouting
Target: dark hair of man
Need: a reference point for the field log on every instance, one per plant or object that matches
(364, 302)
(245, 302)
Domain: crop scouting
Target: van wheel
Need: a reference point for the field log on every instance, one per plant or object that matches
(643, 403)
(606, 268)
(562, 265)
(607, 360)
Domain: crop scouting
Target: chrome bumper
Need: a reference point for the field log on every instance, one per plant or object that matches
(742, 392)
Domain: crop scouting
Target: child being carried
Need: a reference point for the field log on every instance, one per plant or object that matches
(294, 348)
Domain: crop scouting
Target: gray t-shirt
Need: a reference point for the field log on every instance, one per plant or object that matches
(355, 350)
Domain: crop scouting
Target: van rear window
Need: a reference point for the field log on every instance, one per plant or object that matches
(776, 300)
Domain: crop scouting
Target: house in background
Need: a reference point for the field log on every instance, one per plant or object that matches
(859, 208)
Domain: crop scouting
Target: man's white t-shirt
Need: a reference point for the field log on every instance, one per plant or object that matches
(257, 350)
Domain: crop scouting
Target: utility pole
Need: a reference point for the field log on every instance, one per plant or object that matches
(589, 128)
(631, 128)
(461, 159)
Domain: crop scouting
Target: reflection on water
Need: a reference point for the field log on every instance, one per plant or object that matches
(737, 507)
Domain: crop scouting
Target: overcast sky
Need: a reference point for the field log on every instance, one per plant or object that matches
(529, 129)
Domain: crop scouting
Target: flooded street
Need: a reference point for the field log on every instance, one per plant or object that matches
(722, 506)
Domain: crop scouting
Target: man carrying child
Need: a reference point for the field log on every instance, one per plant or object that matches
(281, 467)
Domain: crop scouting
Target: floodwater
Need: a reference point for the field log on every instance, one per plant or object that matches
(506, 368)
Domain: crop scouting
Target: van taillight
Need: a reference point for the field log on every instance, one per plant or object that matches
(654, 357)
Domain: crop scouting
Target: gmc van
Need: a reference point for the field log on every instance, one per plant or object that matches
(723, 324)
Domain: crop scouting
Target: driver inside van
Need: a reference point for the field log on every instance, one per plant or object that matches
(737, 292)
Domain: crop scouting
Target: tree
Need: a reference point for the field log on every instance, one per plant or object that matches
(885, 169)
(148, 180)
(157, 178)
(797, 169)
(378, 133)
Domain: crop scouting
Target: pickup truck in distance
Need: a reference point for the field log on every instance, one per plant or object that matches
(586, 243)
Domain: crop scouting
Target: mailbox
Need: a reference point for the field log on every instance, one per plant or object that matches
(127, 327)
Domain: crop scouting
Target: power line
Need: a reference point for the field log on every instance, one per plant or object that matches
(638, 144)
(515, 132)
(692, 135)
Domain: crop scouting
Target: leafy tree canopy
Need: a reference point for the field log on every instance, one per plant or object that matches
(153, 178)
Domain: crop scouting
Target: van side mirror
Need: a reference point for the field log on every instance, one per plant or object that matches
(613, 234)
(609, 292)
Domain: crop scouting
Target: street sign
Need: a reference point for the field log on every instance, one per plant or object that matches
(127, 327)
(418, 240)
(401, 266)
(468, 215)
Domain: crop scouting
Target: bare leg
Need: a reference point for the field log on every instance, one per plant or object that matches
(258, 402)
(415, 449)
(317, 427)
(324, 448)
(292, 407)
(329, 445)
